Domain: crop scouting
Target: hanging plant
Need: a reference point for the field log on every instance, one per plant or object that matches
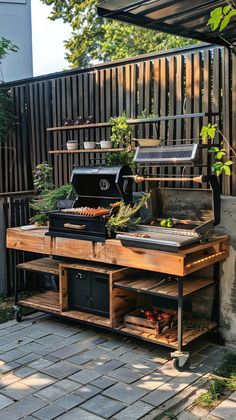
(221, 152)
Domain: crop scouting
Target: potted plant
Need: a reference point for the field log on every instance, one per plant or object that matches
(106, 144)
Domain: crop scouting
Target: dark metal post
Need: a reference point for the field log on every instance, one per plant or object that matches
(3, 271)
(180, 313)
(216, 298)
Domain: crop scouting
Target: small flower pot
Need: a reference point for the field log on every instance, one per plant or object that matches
(106, 144)
(72, 145)
(90, 145)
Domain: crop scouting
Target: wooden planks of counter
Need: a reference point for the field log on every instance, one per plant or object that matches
(189, 260)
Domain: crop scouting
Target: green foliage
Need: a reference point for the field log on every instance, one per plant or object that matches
(120, 158)
(6, 46)
(216, 388)
(145, 114)
(95, 38)
(221, 16)
(120, 131)
(123, 219)
(227, 366)
(209, 132)
(6, 113)
(43, 177)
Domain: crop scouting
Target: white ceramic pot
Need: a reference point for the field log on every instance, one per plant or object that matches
(106, 144)
(90, 145)
(72, 145)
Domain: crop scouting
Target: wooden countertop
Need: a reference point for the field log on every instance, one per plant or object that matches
(112, 251)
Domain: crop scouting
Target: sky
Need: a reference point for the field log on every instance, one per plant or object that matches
(48, 37)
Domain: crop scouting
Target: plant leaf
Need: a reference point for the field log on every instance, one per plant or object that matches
(213, 149)
(220, 154)
(226, 9)
(217, 165)
(225, 22)
(227, 170)
(229, 163)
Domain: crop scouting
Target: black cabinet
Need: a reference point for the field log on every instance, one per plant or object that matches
(88, 291)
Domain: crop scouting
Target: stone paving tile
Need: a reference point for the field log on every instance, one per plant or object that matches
(87, 391)
(143, 366)
(84, 355)
(8, 379)
(125, 393)
(103, 406)
(40, 364)
(49, 412)
(22, 372)
(187, 415)
(103, 382)
(29, 405)
(125, 374)
(58, 390)
(69, 401)
(110, 366)
(79, 414)
(28, 358)
(60, 370)
(10, 414)
(32, 348)
(233, 396)
(7, 347)
(85, 376)
(38, 380)
(110, 344)
(5, 401)
(18, 390)
(169, 389)
(49, 339)
(152, 381)
(226, 410)
(134, 411)
(8, 367)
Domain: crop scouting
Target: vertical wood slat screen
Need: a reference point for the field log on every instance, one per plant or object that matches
(183, 80)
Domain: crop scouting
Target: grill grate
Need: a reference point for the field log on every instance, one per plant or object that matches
(166, 154)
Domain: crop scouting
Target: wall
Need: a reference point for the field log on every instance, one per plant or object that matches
(15, 25)
(228, 271)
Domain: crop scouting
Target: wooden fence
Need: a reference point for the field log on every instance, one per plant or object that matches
(187, 80)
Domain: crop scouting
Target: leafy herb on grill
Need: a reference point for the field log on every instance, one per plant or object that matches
(123, 219)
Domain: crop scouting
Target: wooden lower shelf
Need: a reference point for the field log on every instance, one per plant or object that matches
(45, 301)
(42, 265)
(189, 335)
(149, 285)
(83, 316)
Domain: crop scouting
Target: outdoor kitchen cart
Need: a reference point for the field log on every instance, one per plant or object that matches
(103, 281)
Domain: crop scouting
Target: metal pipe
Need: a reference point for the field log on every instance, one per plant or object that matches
(138, 179)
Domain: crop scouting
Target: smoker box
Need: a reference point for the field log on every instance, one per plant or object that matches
(194, 213)
(95, 187)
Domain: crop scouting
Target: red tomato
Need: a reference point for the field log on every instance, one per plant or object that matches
(151, 318)
(165, 316)
(148, 313)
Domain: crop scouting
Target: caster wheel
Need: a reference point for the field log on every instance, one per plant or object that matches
(18, 316)
(181, 365)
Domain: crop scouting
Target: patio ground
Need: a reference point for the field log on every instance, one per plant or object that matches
(51, 368)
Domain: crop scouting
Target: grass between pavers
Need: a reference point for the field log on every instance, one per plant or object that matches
(6, 309)
(221, 384)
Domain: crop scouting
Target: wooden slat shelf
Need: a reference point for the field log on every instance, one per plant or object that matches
(79, 127)
(61, 152)
(149, 286)
(45, 301)
(189, 335)
(87, 317)
(42, 265)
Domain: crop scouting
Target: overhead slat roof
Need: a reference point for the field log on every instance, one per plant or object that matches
(179, 17)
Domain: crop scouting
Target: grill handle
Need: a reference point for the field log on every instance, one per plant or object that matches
(71, 226)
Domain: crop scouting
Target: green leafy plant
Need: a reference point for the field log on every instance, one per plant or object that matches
(124, 218)
(43, 177)
(121, 158)
(6, 107)
(145, 114)
(221, 16)
(48, 200)
(220, 165)
(227, 366)
(120, 131)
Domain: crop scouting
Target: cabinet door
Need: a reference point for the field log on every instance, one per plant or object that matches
(100, 293)
(79, 296)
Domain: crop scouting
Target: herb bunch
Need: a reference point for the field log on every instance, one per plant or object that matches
(124, 218)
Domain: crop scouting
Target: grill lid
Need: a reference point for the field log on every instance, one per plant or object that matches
(102, 182)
